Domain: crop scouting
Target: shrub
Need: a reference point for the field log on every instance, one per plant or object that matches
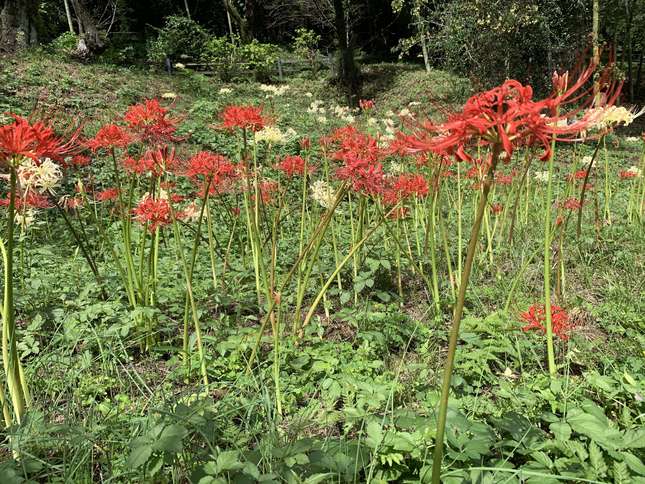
(180, 37)
(233, 59)
(64, 44)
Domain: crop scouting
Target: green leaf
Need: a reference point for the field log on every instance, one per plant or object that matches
(561, 430)
(595, 427)
(139, 456)
(170, 439)
(634, 463)
(374, 435)
(228, 460)
(621, 473)
(316, 478)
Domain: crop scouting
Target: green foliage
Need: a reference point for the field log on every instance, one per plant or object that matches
(64, 44)
(233, 59)
(491, 41)
(179, 38)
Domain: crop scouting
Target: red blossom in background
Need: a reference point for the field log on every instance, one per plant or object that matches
(403, 187)
(110, 136)
(504, 179)
(360, 155)
(106, 195)
(243, 117)
(152, 212)
(535, 318)
(366, 104)
(627, 174)
(151, 123)
(571, 204)
(154, 162)
(577, 175)
(80, 160)
(31, 199)
(496, 208)
(267, 189)
(293, 165)
(207, 164)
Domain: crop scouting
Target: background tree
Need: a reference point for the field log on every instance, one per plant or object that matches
(18, 24)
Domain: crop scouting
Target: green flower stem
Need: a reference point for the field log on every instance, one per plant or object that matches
(15, 383)
(456, 321)
(340, 266)
(189, 290)
(583, 191)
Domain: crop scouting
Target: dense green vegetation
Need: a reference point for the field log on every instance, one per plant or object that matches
(356, 393)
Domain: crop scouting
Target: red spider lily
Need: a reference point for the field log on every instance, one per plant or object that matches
(207, 164)
(110, 136)
(154, 162)
(496, 208)
(24, 140)
(235, 211)
(359, 153)
(507, 115)
(243, 117)
(399, 213)
(366, 104)
(151, 122)
(536, 318)
(152, 212)
(577, 175)
(305, 144)
(106, 195)
(294, 165)
(30, 200)
(571, 204)
(80, 160)
(405, 186)
(627, 174)
(267, 189)
(72, 203)
(503, 179)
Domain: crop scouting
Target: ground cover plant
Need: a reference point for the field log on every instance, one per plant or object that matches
(245, 282)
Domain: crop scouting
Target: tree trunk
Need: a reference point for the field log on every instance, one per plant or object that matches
(347, 73)
(90, 41)
(241, 22)
(68, 14)
(17, 24)
(187, 9)
(628, 41)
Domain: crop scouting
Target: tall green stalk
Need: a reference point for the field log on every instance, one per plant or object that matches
(16, 383)
(456, 320)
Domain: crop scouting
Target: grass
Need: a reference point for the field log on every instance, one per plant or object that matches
(360, 389)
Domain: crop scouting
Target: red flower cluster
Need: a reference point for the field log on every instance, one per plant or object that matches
(152, 212)
(110, 136)
(508, 116)
(30, 200)
(627, 174)
(294, 165)
(503, 179)
(405, 186)
(35, 141)
(150, 122)
(366, 104)
(243, 117)
(577, 175)
(535, 318)
(154, 162)
(360, 155)
(571, 204)
(496, 208)
(106, 195)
